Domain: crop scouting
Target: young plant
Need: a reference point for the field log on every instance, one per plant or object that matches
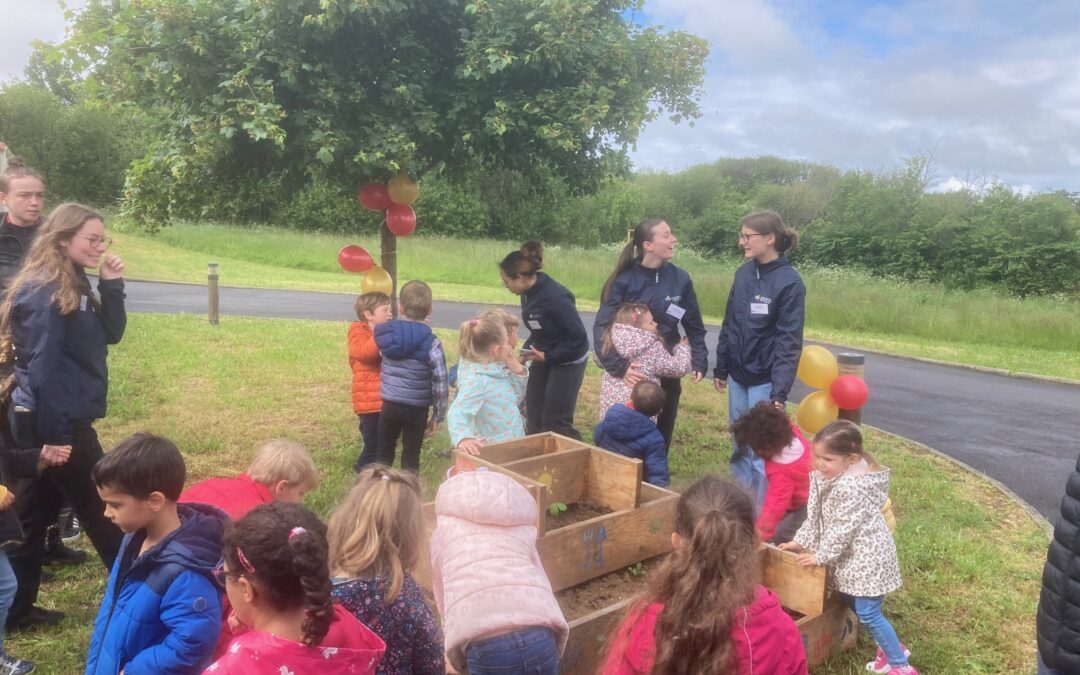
(556, 509)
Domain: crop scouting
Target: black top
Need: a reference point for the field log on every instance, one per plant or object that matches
(1057, 621)
(549, 311)
(15, 242)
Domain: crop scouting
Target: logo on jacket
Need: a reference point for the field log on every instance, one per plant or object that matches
(758, 297)
(673, 298)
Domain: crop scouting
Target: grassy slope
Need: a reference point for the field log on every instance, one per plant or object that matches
(971, 559)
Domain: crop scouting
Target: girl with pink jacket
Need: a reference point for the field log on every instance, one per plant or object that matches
(633, 335)
(499, 613)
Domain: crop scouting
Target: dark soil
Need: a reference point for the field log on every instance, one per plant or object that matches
(576, 513)
(607, 590)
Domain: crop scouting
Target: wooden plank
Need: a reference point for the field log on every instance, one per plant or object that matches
(587, 643)
(613, 480)
(563, 472)
(466, 462)
(831, 632)
(802, 589)
(518, 448)
(566, 443)
(650, 492)
(594, 547)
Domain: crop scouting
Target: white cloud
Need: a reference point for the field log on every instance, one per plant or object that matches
(23, 22)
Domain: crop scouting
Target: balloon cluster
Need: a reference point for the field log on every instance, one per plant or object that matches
(394, 198)
(818, 369)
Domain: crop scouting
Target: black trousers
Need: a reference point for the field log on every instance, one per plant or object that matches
(369, 436)
(666, 421)
(39, 505)
(551, 396)
(408, 422)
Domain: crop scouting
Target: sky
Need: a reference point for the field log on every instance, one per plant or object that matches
(991, 89)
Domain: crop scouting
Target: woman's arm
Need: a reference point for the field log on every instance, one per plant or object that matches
(40, 329)
(720, 372)
(113, 315)
(612, 362)
(788, 340)
(694, 326)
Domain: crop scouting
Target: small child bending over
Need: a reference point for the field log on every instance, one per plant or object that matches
(372, 309)
(275, 573)
(632, 334)
(705, 611)
(498, 610)
(767, 431)
(629, 429)
(376, 537)
(280, 471)
(845, 531)
(491, 387)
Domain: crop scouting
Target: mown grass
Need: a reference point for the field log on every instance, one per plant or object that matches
(914, 319)
(971, 558)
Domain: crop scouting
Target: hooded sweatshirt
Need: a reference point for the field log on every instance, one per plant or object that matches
(350, 648)
(765, 638)
(487, 404)
(486, 574)
(788, 474)
(640, 346)
(161, 612)
(846, 530)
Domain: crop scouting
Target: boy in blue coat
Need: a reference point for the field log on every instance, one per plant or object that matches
(162, 610)
(628, 429)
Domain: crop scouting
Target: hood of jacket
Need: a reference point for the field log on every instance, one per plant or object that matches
(873, 485)
(401, 339)
(623, 423)
(486, 498)
(197, 543)
(630, 341)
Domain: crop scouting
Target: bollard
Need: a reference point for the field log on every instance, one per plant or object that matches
(851, 363)
(212, 287)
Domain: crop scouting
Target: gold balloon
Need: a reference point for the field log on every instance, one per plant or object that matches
(402, 189)
(376, 280)
(817, 367)
(816, 410)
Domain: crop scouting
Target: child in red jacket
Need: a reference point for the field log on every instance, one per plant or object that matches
(705, 610)
(768, 431)
(372, 309)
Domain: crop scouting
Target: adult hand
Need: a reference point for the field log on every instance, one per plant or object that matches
(538, 355)
(55, 455)
(697, 376)
(430, 430)
(633, 375)
(780, 405)
(719, 383)
(112, 267)
(471, 446)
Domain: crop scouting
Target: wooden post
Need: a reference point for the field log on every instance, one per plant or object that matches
(388, 258)
(212, 287)
(851, 363)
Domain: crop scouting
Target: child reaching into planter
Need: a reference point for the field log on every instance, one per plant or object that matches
(845, 531)
(632, 334)
(705, 611)
(767, 431)
(490, 388)
(498, 611)
(375, 541)
(629, 429)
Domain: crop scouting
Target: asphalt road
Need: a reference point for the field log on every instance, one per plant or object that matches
(1024, 433)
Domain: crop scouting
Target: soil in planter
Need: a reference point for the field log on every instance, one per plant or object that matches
(607, 590)
(575, 513)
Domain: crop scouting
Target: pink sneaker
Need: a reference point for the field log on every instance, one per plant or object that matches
(881, 663)
(903, 670)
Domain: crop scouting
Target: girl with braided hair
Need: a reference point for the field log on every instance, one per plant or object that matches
(277, 577)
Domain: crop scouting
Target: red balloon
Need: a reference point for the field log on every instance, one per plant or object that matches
(401, 219)
(354, 259)
(849, 392)
(374, 196)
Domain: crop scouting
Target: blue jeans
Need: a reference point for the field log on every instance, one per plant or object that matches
(8, 586)
(869, 612)
(369, 434)
(746, 467)
(529, 650)
(1041, 668)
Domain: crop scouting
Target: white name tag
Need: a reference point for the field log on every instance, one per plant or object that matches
(675, 311)
(759, 308)
(533, 324)
(83, 302)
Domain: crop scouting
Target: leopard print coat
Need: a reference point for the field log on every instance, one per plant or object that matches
(845, 529)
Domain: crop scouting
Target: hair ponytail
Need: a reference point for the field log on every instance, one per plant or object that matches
(477, 337)
(785, 239)
(842, 437)
(525, 262)
(309, 565)
(633, 249)
(629, 313)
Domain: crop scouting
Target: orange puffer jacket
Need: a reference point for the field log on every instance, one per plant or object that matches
(365, 362)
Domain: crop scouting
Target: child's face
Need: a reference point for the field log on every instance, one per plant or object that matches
(284, 491)
(829, 464)
(127, 512)
(646, 322)
(382, 314)
(241, 594)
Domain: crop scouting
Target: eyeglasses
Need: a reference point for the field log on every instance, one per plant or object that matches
(746, 237)
(96, 242)
(220, 574)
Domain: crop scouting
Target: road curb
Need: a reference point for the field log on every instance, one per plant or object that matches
(1032, 512)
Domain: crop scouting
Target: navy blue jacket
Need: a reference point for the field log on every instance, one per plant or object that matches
(410, 374)
(161, 612)
(762, 335)
(60, 360)
(549, 312)
(1057, 621)
(15, 242)
(665, 288)
(630, 433)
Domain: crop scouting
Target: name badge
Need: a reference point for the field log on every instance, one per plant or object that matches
(675, 311)
(533, 324)
(83, 302)
(759, 308)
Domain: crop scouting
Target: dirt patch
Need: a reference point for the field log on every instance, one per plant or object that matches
(607, 590)
(575, 513)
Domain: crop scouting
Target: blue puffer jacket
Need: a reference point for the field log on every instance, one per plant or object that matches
(630, 433)
(162, 610)
(406, 369)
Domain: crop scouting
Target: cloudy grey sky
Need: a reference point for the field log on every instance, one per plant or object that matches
(993, 86)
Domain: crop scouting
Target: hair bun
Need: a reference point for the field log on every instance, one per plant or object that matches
(16, 162)
(533, 250)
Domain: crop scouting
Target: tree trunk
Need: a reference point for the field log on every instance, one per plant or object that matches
(388, 257)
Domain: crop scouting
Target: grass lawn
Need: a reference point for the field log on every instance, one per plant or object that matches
(845, 307)
(971, 558)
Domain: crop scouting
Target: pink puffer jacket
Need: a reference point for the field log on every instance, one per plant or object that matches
(646, 349)
(486, 573)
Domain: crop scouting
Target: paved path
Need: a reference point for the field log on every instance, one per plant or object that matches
(1023, 433)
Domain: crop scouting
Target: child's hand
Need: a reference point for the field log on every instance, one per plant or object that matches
(808, 559)
(7, 500)
(684, 341)
(430, 430)
(790, 546)
(471, 446)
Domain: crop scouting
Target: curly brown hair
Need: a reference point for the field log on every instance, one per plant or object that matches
(765, 429)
